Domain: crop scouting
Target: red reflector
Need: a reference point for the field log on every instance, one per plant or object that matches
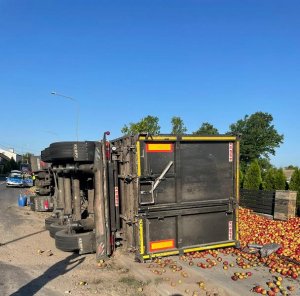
(107, 150)
(230, 230)
(46, 205)
(230, 152)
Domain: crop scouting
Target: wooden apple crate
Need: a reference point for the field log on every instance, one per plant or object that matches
(285, 204)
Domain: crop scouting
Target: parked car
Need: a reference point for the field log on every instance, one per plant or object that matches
(14, 179)
(27, 181)
(17, 179)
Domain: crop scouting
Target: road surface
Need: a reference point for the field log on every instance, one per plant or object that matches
(17, 232)
(31, 265)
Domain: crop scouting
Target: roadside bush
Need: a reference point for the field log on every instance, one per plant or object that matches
(253, 178)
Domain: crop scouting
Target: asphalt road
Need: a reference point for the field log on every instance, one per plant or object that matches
(8, 199)
(14, 279)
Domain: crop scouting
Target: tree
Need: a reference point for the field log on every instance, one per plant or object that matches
(13, 164)
(148, 124)
(274, 180)
(241, 177)
(291, 167)
(178, 127)
(259, 137)
(206, 129)
(252, 179)
(295, 184)
(280, 180)
(269, 179)
(265, 165)
(26, 157)
(7, 167)
(10, 165)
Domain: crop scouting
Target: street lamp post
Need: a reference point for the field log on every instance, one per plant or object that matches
(77, 104)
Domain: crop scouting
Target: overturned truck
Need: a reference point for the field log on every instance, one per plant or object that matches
(151, 195)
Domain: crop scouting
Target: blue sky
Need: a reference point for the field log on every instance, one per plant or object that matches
(202, 60)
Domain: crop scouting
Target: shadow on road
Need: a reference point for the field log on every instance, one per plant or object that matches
(53, 272)
(25, 236)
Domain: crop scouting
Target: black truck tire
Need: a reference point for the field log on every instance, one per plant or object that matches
(49, 221)
(31, 202)
(64, 151)
(58, 151)
(43, 191)
(45, 155)
(70, 242)
(37, 183)
(42, 175)
(44, 183)
(55, 227)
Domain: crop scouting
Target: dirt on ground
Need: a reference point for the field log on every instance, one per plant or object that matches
(31, 265)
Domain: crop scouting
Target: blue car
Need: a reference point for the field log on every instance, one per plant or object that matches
(27, 182)
(17, 179)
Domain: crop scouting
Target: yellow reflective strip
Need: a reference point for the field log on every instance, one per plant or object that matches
(209, 138)
(237, 170)
(142, 247)
(161, 138)
(189, 250)
(138, 156)
(237, 188)
(209, 247)
(146, 257)
(237, 224)
(161, 254)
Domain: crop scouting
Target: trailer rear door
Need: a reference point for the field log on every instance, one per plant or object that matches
(188, 193)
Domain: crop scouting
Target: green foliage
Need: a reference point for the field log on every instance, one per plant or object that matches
(9, 166)
(253, 178)
(259, 137)
(295, 184)
(206, 129)
(241, 177)
(265, 166)
(148, 124)
(26, 157)
(178, 127)
(280, 180)
(274, 180)
(291, 167)
(269, 179)
(6, 168)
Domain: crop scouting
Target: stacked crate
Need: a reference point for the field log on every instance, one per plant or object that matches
(285, 204)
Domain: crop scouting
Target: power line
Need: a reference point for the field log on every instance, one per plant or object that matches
(17, 151)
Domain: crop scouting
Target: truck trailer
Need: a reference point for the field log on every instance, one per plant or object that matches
(156, 195)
